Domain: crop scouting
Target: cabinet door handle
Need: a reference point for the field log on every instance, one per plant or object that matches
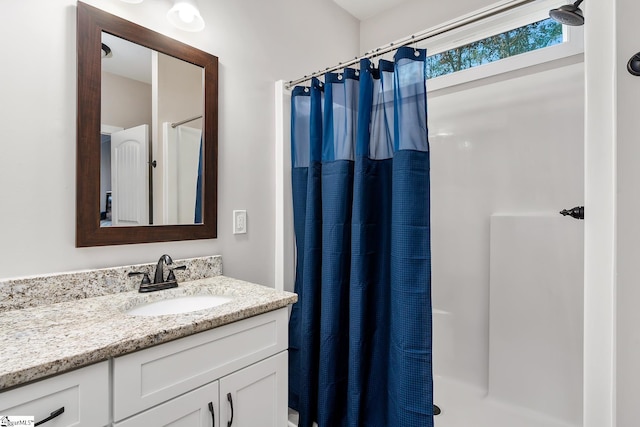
(213, 415)
(230, 403)
(51, 416)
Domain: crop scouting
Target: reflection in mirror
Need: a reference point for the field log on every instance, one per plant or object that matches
(150, 159)
(146, 136)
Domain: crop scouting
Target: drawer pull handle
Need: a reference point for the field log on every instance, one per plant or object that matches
(231, 403)
(213, 415)
(54, 414)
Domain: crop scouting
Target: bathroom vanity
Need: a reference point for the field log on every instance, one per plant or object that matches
(221, 366)
(238, 369)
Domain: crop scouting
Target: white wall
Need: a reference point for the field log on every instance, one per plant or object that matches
(257, 43)
(628, 206)
(411, 17)
(612, 294)
(601, 68)
(134, 112)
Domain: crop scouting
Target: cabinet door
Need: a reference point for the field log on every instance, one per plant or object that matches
(192, 409)
(256, 395)
(78, 398)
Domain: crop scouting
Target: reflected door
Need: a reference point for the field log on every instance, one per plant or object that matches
(130, 176)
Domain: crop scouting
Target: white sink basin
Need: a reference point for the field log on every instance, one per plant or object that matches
(178, 305)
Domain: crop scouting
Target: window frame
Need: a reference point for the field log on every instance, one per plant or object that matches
(573, 44)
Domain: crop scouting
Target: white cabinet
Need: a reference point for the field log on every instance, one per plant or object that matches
(83, 393)
(198, 408)
(173, 383)
(256, 395)
(251, 397)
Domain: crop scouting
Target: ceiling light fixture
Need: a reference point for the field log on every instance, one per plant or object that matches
(185, 15)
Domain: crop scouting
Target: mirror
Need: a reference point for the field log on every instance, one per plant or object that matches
(146, 164)
(151, 134)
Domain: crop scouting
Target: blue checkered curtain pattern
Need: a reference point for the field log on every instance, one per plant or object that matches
(360, 334)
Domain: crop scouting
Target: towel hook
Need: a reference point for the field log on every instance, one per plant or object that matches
(633, 66)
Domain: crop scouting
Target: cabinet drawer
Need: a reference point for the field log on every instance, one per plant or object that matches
(155, 375)
(84, 394)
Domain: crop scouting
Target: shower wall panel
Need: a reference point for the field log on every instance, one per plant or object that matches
(510, 144)
(536, 313)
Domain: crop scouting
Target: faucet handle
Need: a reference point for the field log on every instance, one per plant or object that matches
(172, 276)
(145, 278)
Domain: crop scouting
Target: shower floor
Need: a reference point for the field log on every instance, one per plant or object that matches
(466, 406)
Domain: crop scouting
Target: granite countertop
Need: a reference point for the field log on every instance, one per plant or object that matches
(51, 339)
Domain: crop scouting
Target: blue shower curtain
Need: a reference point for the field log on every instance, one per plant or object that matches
(197, 219)
(360, 334)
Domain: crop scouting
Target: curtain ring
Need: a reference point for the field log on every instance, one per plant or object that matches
(343, 70)
(416, 52)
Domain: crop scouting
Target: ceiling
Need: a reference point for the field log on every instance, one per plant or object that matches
(128, 59)
(364, 9)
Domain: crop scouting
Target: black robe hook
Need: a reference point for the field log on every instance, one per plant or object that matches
(633, 66)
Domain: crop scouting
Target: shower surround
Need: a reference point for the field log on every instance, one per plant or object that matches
(507, 267)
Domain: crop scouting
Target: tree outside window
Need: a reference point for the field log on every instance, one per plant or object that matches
(530, 37)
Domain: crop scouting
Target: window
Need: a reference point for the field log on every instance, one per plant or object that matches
(522, 37)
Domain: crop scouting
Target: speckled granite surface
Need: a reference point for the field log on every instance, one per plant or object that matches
(49, 339)
(34, 291)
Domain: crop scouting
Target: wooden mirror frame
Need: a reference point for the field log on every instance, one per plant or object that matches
(91, 23)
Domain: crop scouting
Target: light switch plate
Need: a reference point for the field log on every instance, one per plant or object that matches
(239, 222)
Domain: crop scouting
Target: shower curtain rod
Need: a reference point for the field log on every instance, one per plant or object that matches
(176, 124)
(415, 38)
